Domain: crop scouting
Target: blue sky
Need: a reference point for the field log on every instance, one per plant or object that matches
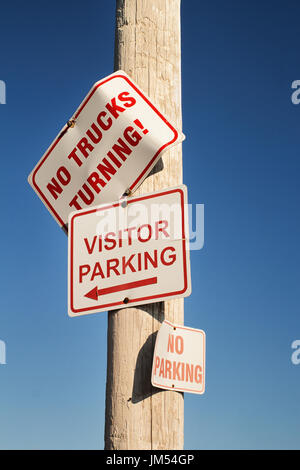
(241, 160)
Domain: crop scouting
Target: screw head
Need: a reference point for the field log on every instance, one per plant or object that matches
(71, 123)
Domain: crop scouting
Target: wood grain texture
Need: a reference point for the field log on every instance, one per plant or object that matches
(138, 416)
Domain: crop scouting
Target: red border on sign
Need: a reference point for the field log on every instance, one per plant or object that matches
(138, 299)
(182, 389)
(42, 195)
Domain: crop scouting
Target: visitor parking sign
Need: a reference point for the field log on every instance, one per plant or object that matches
(130, 252)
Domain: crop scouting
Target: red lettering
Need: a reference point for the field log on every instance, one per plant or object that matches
(168, 369)
(152, 261)
(110, 240)
(95, 181)
(75, 203)
(189, 373)
(83, 271)
(157, 361)
(114, 109)
(171, 259)
(104, 125)
(161, 369)
(127, 100)
(149, 233)
(122, 149)
(127, 263)
(171, 343)
(198, 374)
(64, 177)
(90, 196)
(95, 139)
(90, 249)
(75, 157)
(129, 230)
(112, 265)
(132, 136)
(106, 170)
(84, 146)
(54, 188)
(114, 159)
(161, 229)
(176, 366)
(97, 271)
(179, 344)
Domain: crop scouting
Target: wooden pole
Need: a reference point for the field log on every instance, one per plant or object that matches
(138, 416)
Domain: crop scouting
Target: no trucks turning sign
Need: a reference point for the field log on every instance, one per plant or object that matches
(107, 148)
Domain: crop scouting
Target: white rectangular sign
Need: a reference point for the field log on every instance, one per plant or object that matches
(130, 252)
(179, 359)
(109, 146)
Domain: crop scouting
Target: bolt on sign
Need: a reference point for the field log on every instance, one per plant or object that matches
(131, 252)
(106, 149)
(179, 359)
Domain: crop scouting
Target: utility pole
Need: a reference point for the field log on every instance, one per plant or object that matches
(138, 416)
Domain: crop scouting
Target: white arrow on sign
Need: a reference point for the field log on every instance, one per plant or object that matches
(108, 147)
(130, 252)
